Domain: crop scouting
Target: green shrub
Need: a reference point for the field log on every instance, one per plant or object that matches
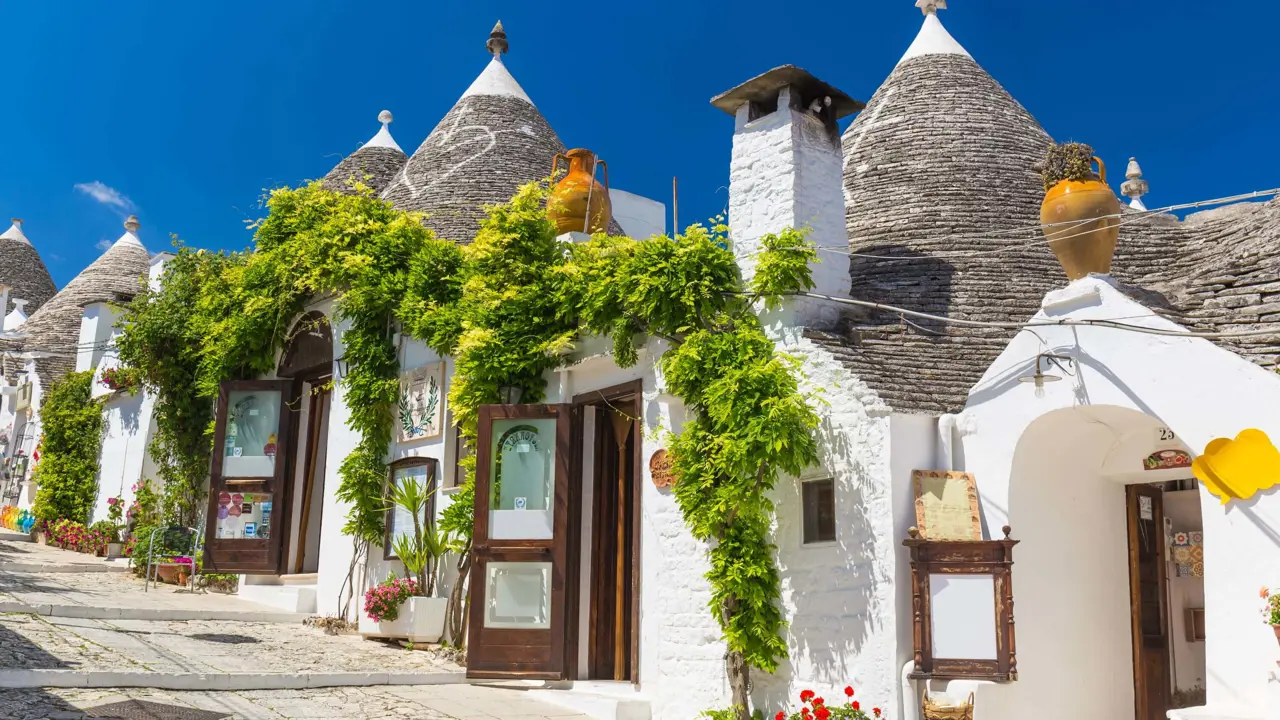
(68, 468)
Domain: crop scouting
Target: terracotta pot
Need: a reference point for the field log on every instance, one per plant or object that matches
(167, 574)
(578, 194)
(1277, 629)
(1080, 222)
(183, 577)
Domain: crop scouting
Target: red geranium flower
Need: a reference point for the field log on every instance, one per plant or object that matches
(875, 711)
(804, 712)
(780, 716)
(822, 713)
(856, 705)
(848, 690)
(806, 695)
(819, 701)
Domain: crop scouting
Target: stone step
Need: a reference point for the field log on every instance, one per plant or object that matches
(150, 613)
(43, 678)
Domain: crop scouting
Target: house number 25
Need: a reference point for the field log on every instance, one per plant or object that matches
(1165, 434)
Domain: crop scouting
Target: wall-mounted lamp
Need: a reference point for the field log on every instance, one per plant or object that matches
(510, 394)
(1039, 378)
(342, 366)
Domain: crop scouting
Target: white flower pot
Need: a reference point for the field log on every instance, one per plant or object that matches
(115, 550)
(421, 620)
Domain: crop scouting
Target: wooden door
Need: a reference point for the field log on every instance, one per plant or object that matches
(520, 544)
(1147, 601)
(245, 528)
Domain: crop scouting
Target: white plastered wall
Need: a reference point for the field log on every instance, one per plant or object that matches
(1031, 471)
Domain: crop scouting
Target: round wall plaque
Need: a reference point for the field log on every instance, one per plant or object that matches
(660, 469)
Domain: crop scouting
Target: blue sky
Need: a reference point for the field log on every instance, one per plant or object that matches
(185, 112)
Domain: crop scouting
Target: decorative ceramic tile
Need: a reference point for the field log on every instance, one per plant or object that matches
(1181, 539)
(1197, 554)
(1184, 570)
(1197, 538)
(1181, 554)
(1197, 570)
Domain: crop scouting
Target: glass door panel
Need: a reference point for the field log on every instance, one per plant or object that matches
(522, 465)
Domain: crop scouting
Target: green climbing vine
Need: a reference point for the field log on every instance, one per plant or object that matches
(509, 307)
(225, 316)
(68, 469)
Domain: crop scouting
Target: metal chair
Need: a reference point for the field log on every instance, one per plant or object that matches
(174, 537)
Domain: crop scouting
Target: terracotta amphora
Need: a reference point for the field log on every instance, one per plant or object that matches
(578, 194)
(1081, 222)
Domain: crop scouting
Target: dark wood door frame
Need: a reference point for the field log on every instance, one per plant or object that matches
(255, 556)
(1150, 615)
(602, 398)
(499, 653)
(315, 376)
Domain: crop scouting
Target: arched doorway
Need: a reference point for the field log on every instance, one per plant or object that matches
(1096, 496)
(307, 359)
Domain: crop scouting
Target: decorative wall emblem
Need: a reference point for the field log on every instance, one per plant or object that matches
(421, 404)
(1167, 460)
(660, 470)
(1188, 553)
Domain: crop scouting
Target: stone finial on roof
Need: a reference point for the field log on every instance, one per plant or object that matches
(15, 232)
(931, 7)
(1135, 187)
(385, 117)
(132, 224)
(497, 44)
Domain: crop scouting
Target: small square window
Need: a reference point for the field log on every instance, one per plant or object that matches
(819, 500)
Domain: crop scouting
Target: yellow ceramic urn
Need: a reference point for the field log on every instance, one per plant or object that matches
(578, 194)
(1080, 219)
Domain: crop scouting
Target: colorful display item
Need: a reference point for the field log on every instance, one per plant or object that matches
(1188, 553)
(1167, 460)
(1238, 469)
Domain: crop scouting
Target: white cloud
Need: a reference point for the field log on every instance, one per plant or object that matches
(106, 195)
(104, 245)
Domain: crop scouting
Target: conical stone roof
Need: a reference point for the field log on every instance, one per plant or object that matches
(22, 270)
(375, 164)
(117, 275)
(490, 143)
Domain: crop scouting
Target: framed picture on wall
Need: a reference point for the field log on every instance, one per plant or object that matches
(421, 403)
(399, 519)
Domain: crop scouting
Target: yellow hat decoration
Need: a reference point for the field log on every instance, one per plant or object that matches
(1238, 469)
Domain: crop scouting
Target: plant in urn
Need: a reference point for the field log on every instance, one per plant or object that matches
(578, 194)
(1080, 214)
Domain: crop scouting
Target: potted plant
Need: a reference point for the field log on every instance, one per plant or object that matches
(1271, 611)
(115, 514)
(405, 607)
(1080, 215)
(812, 707)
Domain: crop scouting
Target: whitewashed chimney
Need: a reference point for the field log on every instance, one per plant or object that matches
(786, 171)
(17, 316)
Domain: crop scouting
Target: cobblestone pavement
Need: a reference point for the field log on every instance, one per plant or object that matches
(99, 589)
(439, 702)
(32, 642)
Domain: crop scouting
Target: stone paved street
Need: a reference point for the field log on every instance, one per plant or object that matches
(98, 589)
(439, 702)
(49, 576)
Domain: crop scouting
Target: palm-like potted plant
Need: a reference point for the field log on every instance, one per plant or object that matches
(407, 607)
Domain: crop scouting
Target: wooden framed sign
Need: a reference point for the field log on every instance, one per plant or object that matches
(946, 505)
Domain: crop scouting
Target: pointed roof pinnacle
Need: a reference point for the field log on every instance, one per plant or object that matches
(497, 43)
(130, 236)
(1135, 187)
(383, 137)
(933, 38)
(132, 224)
(15, 232)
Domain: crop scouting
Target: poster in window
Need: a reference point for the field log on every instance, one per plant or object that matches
(421, 403)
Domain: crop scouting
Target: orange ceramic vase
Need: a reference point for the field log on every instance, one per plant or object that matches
(1081, 222)
(578, 194)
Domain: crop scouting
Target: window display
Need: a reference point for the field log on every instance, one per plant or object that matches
(253, 424)
(245, 516)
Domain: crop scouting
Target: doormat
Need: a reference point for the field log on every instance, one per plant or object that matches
(146, 710)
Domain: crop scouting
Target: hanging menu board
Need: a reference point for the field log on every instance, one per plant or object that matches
(946, 505)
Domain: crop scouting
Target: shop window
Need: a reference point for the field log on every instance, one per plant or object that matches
(818, 498)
